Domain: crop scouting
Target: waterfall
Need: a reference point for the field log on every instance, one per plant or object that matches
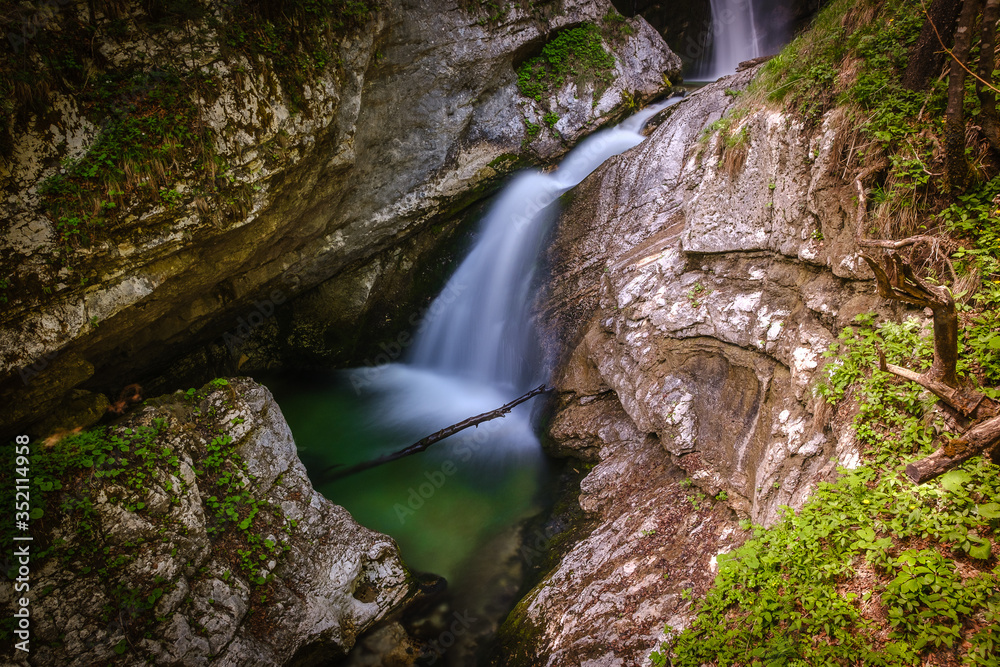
(477, 347)
(734, 38)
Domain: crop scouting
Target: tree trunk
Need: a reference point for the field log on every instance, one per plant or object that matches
(956, 166)
(945, 344)
(926, 55)
(898, 281)
(987, 61)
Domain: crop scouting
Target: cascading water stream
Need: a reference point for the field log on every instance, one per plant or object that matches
(477, 348)
(455, 507)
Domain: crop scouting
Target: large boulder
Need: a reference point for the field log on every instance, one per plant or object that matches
(189, 533)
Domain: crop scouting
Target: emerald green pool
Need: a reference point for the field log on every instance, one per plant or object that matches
(442, 506)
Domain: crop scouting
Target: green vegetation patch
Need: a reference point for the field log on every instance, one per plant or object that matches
(152, 137)
(576, 54)
(872, 570)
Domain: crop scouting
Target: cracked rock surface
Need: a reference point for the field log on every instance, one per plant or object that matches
(696, 283)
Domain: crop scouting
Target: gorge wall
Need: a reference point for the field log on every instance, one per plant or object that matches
(696, 282)
(408, 122)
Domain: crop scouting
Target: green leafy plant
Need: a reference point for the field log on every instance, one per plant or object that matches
(576, 54)
(697, 292)
(780, 596)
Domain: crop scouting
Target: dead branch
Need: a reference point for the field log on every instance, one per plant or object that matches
(424, 443)
(897, 281)
(966, 401)
(902, 243)
(861, 212)
(933, 241)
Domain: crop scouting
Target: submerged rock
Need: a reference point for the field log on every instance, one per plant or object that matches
(190, 534)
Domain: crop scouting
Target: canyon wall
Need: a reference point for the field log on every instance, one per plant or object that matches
(415, 116)
(697, 281)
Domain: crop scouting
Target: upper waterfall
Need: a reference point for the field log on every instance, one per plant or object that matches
(481, 325)
(735, 38)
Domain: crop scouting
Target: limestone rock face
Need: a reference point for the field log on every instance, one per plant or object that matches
(416, 116)
(708, 288)
(331, 578)
(697, 281)
(608, 599)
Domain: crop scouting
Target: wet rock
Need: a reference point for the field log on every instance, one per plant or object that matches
(173, 589)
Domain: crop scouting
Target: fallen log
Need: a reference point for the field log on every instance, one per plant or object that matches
(965, 400)
(333, 473)
(983, 438)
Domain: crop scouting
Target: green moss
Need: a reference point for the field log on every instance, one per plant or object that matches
(520, 637)
(576, 54)
(503, 164)
(616, 26)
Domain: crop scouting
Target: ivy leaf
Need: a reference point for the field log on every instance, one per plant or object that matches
(981, 550)
(994, 343)
(36, 513)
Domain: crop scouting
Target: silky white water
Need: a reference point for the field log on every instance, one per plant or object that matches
(477, 347)
(735, 38)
